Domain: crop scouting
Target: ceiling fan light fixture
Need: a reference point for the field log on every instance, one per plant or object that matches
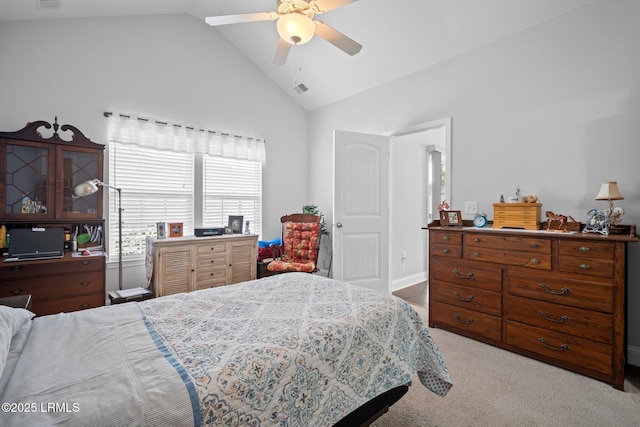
(296, 28)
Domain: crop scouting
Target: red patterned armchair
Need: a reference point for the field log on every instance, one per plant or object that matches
(300, 244)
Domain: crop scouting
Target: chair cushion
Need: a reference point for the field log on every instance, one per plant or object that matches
(279, 266)
(300, 241)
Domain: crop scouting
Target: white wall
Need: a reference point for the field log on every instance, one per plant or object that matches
(171, 67)
(554, 110)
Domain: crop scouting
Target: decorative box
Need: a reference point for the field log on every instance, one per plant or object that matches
(517, 215)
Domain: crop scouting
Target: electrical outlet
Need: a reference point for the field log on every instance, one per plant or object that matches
(471, 208)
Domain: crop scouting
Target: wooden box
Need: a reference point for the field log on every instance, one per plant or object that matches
(517, 215)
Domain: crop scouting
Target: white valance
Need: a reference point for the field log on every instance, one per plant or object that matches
(168, 136)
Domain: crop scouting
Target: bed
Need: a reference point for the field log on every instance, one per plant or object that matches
(291, 350)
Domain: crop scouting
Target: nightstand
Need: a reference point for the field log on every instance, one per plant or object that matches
(18, 301)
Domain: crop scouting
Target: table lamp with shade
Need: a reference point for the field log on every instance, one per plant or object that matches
(92, 186)
(609, 192)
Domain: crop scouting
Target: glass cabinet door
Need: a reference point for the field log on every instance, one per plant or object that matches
(28, 173)
(78, 167)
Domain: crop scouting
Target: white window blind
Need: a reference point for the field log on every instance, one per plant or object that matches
(157, 186)
(232, 187)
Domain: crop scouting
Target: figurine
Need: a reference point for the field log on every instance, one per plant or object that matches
(559, 218)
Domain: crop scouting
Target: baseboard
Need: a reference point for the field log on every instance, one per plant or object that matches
(633, 355)
(408, 281)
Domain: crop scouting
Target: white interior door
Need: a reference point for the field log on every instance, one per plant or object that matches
(361, 209)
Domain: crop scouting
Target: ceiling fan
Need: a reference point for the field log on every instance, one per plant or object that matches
(296, 25)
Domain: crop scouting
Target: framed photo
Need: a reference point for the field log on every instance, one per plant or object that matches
(228, 230)
(162, 230)
(235, 222)
(175, 229)
(450, 218)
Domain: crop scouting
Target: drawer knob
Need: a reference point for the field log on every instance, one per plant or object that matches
(212, 261)
(462, 276)
(476, 254)
(445, 237)
(86, 262)
(584, 249)
(584, 266)
(477, 240)
(562, 291)
(85, 283)
(85, 306)
(17, 291)
(550, 347)
(445, 251)
(461, 298)
(546, 317)
(17, 267)
(535, 261)
(466, 322)
(535, 245)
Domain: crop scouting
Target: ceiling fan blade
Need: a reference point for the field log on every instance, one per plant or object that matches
(326, 5)
(282, 51)
(337, 39)
(245, 17)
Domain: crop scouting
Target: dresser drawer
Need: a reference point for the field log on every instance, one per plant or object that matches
(587, 266)
(522, 259)
(67, 305)
(561, 318)
(468, 274)
(211, 248)
(471, 298)
(469, 321)
(19, 270)
(43, 288)
(557, 289)
(599, 250)
(445, 238)
(207, 278)
(211, 262)
(561, 347)
(449, 251)
(533, 245)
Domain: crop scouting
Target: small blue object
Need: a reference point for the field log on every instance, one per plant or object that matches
(266, 244)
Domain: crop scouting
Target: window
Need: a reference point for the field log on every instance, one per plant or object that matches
(217, 175)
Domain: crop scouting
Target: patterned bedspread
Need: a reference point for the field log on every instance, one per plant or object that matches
(293, 349)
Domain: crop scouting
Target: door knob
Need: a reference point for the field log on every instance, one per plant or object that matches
(339, 225)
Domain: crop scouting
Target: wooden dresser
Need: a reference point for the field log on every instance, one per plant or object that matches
(56, 285)
(184, 264)
(556, 297)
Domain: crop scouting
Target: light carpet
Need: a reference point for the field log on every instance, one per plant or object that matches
(494, 387)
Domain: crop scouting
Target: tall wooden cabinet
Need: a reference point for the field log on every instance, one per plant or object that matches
(185, 264)
(556, 297)
(39, 167)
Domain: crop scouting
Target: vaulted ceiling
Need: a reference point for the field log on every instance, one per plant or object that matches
(399, 37)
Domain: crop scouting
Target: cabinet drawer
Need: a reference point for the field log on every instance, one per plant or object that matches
(211, 248)
(469, 321)
(561, 347)
(557, 289)
(68, 285)
(210, 275)
(445, 238)
(467, 274)
(522, 259)
(449, 251)
(471, 298)
(211, 262)
(67, 305)
(588, 266)
(50, 267)
(533, 245)
(599, 250)
(561, 318)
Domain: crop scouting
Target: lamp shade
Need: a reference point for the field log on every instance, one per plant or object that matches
(296, 28)
(86, 188)
(609, 191)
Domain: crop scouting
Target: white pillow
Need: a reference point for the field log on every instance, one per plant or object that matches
(11, 320)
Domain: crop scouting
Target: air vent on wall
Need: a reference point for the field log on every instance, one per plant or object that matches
(48, 4)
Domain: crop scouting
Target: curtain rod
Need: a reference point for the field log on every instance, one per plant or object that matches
(142, 119)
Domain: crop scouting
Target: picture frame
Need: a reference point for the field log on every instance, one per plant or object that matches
(161, 228)
(235, 222)
(175, 229)
(450, 218)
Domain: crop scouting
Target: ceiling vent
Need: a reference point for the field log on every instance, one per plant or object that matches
(301, 88)
(48, 4)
